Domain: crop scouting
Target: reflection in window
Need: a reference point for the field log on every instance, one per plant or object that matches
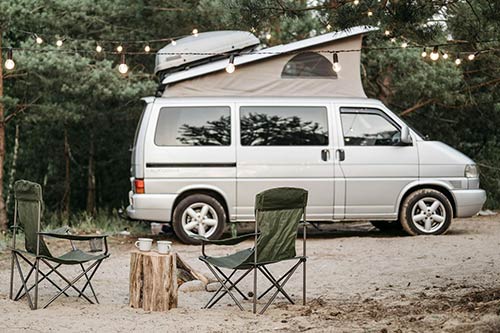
(308, 65)
(368, 129)
(194, 126)
(284, 126)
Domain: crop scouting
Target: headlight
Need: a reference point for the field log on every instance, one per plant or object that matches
(471, 171)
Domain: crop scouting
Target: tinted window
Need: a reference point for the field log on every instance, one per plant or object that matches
(194, 126)
(368, 129)
(308, 65)
(284, 126)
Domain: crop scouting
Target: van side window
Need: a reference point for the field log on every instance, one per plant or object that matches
(194, 126)
(284, 126)
(308, 65)
(368, 127)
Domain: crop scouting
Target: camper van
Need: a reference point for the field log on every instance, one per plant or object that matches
(198, 161)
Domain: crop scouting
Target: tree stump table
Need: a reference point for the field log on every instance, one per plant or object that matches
(153, 281)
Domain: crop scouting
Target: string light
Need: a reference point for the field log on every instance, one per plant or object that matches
(471, 56)
(328, 27)
(369, 13)
(387, 32)
(195, 32)
(123, 68)
(336, 66)
(38, 40)
(458, 61)
(445, 55)
(424, 53)
(59, 43)
(356, 2)
(173, 42)
(9, 63)
(268, 36)
(404, 45)
(393, 40)
(434, 54)
(230, 68)
(147, 48)
(119, 49)
(98, 48)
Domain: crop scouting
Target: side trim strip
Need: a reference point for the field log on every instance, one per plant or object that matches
(190, 165)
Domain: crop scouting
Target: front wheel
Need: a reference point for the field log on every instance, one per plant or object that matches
(198, 215)
(426, 212)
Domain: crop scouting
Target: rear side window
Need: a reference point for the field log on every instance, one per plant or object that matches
(368, 128)
(194, 126)
(284, 126)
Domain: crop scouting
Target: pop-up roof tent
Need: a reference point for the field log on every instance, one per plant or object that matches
(302, 68)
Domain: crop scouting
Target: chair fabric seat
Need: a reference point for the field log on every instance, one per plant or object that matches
(72, 257)
(232, 261)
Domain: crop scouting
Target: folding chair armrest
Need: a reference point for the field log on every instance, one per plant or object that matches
(72, 237)
(225, 241)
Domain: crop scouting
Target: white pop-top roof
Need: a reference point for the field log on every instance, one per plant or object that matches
(265, 53)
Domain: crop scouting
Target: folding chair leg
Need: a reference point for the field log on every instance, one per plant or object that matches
(232, 285)
(37, 270)
(304, 281)
(224, 293)
(224, 286)
(275, 283)
(11, 275)
(88, 283)
(279, 280)
(278, 290)
(208, 306)
(24, 283)
(254, 309)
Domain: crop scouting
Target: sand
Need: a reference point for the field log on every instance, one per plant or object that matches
(359, 280)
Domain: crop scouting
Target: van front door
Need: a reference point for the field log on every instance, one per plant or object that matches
(375, 164)
(284, 145)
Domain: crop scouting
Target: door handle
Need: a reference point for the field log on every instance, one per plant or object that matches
(341, 154)
(325, 154)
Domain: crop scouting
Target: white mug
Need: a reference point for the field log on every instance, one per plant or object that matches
(144, 244)
(164, 247)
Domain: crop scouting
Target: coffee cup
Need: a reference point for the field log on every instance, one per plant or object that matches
(144, 244)
(164, 247)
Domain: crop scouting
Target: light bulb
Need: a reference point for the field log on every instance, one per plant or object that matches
(123, 68)
(38, 40)
(98, 48)
(404, 45)
(268, 36)
(458, 61)
(336, 66)
(147, 48)
(10, 64)
(369, 13)
(445, 56)
(434, 54)
(471, 56)
(59, 43)
(328, 27)
(424, 53)
(119, 48)
(393, 40)
(356, 2)
(173, 42)
(387, 32)
(230, 68)
(195, 32)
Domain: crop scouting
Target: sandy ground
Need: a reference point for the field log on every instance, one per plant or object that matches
(359, 280)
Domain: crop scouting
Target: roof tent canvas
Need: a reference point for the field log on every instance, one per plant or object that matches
(265, 74)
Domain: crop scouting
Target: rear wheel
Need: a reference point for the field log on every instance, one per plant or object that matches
(200, 215)
(426, 212)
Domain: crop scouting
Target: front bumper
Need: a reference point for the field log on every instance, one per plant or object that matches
(469, 202)
(151, 207)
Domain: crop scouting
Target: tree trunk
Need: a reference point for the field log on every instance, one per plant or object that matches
(3, 210)
(91, 207)
(153, 281)
(12, 174)
(67, 179)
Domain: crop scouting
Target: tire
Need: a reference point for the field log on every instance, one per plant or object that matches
(387, 225)
(426, 212)
(188, 219)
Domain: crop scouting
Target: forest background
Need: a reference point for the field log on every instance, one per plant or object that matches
(68, 117)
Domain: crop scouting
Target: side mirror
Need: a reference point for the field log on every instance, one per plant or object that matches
(405, 135)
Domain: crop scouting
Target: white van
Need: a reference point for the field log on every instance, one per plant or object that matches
(198, 162)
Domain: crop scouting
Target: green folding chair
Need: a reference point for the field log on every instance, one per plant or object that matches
(27, 213)
(278, 213)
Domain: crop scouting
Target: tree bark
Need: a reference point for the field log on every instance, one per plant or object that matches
(3, 210)
(91, 207)
(153, 281)
(67, 176)
(12, 174)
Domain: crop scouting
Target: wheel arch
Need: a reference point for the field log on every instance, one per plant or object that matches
(208, 190)
(438, 186)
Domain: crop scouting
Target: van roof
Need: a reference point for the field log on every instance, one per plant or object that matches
(226, 99)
